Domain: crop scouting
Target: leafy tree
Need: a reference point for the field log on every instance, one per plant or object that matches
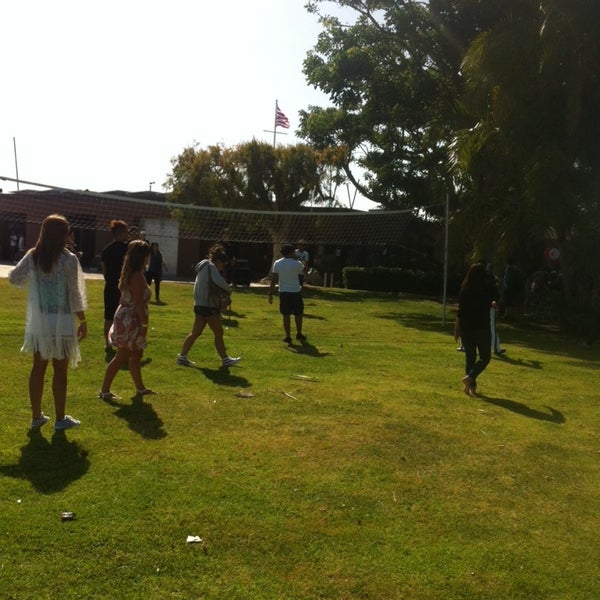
(393, 84)
(252, 175)
(495, 102)
(531, 152)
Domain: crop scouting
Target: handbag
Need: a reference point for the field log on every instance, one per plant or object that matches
(220, 297)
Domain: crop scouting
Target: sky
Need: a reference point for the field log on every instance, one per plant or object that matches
(102, 95)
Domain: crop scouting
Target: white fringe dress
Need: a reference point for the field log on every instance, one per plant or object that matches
(54, 299)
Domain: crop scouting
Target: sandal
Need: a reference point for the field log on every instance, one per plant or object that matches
(146, 392)
(108, 396)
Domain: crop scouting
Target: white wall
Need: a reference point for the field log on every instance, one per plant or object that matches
(165, 232)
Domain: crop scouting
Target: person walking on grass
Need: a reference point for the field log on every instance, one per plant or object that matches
(111, 264)
(472, 324)
(129, 330)
(285, 273)
(206, 311)
(155, 269)
(55, 321)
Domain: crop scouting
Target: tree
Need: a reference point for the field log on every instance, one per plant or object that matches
(252, 175)
(531, 151)
(393, 82)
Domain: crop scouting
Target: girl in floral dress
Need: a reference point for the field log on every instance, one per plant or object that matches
(130, 324)
(55, 321)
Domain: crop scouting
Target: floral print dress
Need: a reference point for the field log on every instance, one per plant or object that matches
(126, 330)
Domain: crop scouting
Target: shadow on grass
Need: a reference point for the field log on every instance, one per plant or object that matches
(420, 321)
(223, 376)
(140, 417)
(307, 349)
(520, 333)
(554, 416)
(532, 364)
(228, 322)
(313, 317)
(50, 466)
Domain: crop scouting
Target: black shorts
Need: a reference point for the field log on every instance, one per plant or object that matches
(205, 311)
(112, 295)
(291, 303)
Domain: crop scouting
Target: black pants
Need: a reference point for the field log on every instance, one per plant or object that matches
(477, 341)
(149, 277)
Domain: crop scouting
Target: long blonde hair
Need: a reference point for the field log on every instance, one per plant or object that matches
(51, 242)
(137, 252)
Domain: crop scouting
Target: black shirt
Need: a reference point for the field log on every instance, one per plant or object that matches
(474, 305)
(112, 256)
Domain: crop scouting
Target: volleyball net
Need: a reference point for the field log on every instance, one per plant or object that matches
(154, 213)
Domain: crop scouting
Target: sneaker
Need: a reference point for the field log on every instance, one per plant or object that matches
(185, 361)
(67, 423)
(228, 361)
(39, 421)
(108, 396)
(287, 340)
(300, 336)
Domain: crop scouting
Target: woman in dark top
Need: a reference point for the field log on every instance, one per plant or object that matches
(155, 269)
(477, 295)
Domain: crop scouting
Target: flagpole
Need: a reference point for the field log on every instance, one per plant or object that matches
(275, 125)
(16, 162)
(280, 121)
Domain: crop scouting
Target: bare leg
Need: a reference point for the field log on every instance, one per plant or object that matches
(286, 325)
(135, 368)
(197, 329)
(36, 384)
(113, 367)
(59, 386)
(214, 322)
(298, 319)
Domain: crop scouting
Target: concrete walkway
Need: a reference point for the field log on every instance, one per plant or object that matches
(5, 268)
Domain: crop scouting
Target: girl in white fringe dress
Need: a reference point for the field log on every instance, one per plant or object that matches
(55, 320)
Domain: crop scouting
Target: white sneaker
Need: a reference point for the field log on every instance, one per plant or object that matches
(185, 361)
(39, 421)
(228, 361)
(67, 423)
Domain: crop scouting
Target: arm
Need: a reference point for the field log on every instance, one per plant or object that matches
(217, 278)
(77, 293)
(19, 276)
(457, 329)
(274, 282)
(138, 286)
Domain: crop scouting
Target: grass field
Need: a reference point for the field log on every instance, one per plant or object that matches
(352, 467)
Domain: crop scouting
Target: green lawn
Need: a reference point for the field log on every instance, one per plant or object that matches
(357, 469)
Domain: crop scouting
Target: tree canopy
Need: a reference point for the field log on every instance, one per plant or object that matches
(494, 102)
(255, 175)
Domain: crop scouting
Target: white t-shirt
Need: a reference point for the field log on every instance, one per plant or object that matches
(288, 270)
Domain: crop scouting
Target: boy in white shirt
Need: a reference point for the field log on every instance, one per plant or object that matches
(285, 272)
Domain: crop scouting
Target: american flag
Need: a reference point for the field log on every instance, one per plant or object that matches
(280, 119)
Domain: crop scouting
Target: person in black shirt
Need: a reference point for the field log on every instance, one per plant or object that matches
(477, 295)
(155, 269)
(112, 257)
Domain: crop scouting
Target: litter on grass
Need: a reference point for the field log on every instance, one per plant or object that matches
(290, 396)
(245, 395)
(194, 539)
(305, 377)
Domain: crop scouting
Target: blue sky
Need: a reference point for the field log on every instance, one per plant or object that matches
(102, 95)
